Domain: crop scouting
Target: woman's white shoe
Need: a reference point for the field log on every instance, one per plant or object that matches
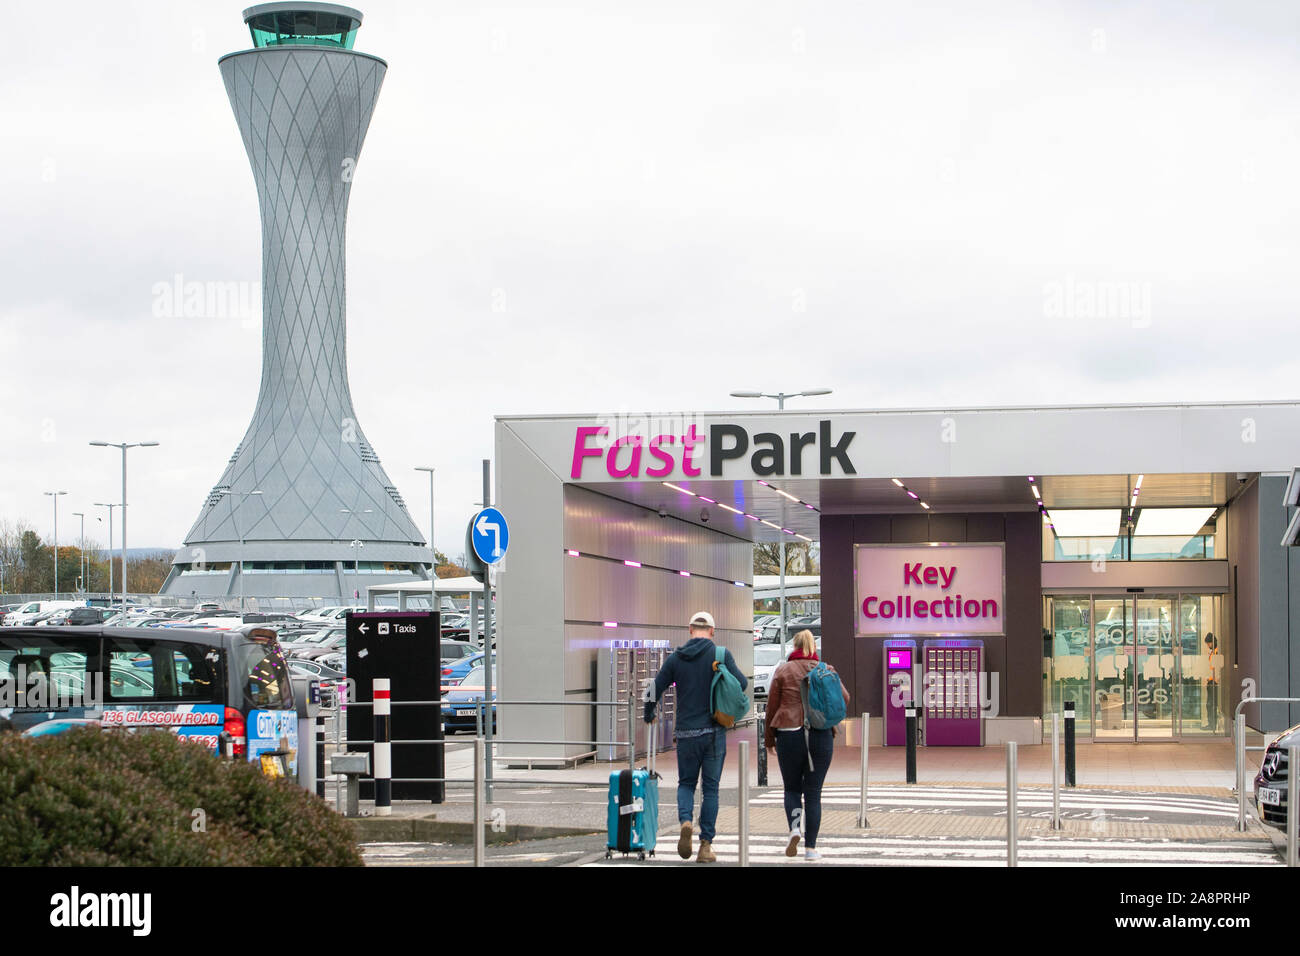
(811, 855)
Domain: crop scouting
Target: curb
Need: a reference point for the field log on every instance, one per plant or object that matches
(431, 830)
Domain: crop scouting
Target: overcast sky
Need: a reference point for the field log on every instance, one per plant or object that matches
(593, 207)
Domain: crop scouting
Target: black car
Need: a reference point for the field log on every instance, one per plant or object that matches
(1271, 781)
(83, 616)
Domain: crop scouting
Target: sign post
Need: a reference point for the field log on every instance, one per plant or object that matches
(489, 537)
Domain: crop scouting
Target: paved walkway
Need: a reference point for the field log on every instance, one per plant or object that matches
(1127, 792)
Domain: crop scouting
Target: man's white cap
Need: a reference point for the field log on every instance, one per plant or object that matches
(702, 619)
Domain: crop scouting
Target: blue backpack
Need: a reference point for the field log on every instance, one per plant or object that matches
(730, 702)
(823, 701)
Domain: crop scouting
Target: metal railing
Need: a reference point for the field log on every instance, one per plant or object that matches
(340, 742)
(1240, 748)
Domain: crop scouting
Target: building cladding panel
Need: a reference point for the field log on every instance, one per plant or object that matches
(303, 112)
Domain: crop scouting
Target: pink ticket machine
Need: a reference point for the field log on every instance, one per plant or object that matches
(901, 661)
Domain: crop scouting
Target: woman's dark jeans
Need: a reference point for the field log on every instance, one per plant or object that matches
(803, 787)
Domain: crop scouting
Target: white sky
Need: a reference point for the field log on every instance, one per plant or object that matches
(672, 200)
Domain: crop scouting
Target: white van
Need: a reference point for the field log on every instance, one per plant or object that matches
(34, 609)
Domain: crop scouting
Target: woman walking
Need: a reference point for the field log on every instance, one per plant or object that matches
(802, 777)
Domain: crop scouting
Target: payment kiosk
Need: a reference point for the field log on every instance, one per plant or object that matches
(900, 664)
(950, 696)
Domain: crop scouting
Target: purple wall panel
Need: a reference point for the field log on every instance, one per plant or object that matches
(1017, 658)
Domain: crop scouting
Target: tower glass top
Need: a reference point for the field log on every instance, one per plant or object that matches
(303, 24)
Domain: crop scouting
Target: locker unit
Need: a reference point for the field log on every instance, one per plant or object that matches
(622, 670)
(951, 693)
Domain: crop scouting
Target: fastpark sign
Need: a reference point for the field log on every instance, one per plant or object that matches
(770, 453)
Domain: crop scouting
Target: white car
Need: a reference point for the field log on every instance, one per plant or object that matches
(34, 609)
(766, 658)
(315, 614)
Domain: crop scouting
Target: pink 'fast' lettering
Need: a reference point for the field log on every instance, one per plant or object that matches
(582, 450)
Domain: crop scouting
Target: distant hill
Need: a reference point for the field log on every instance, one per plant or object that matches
(145, 552)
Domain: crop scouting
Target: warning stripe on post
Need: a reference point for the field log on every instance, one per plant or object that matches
(383, 702)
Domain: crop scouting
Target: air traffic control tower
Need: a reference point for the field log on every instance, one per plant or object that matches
(304, 506)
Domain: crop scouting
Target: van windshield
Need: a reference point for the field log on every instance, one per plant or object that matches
(264, 676)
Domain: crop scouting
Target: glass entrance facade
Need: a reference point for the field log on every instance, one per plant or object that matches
(1138, 667)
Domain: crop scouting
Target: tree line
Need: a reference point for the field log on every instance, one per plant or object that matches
(27, 565)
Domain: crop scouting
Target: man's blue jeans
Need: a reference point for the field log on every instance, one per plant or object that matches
(696, 756)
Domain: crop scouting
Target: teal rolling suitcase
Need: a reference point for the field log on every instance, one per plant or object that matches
(633, 819)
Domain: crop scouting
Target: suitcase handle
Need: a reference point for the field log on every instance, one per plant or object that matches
(650, 749)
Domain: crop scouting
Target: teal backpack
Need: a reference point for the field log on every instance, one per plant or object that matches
(730, 702)
(823, 698)
(823, 701)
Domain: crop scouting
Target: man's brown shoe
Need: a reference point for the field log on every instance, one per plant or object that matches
(684, 842)
(706, 853)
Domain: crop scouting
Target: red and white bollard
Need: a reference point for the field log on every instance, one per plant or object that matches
(383, 709)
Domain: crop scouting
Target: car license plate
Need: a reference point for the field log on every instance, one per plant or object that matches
(1270, 796)
(466, 713)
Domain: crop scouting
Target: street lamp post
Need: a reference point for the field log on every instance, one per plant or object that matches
(780, 406)
(433, 551)
(124, 446)
(55, 496)
(245, 495)
(81, 552)
(110, 507)
(356, 544)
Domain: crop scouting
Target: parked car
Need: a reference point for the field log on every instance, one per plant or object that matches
(454, 651)
(333, 642)
(1271, 782)
(316, 614)
(315, 670)
(82, 616)
(28, 612)
(766, 658)
(458, 710)
(455, 672)
(772, 633)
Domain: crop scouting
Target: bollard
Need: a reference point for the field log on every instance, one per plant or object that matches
(911, 744)
(338, 748)
(862, 783)
(1292, 804)
(1056, 771)
(1239, 745)
(383, 701)
(743, 802)
(480, 755)
(1011, 804)
(319, 743)
(762, 751)
(1069, 743)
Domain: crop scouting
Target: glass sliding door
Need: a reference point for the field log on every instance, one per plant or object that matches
(1201, 675)
(1068, 661)
(1155, 668)
(1138, 667)
(1113, 696)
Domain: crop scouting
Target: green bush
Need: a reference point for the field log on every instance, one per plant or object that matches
(90, 798)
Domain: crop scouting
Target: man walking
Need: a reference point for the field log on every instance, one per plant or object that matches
(701, 741)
